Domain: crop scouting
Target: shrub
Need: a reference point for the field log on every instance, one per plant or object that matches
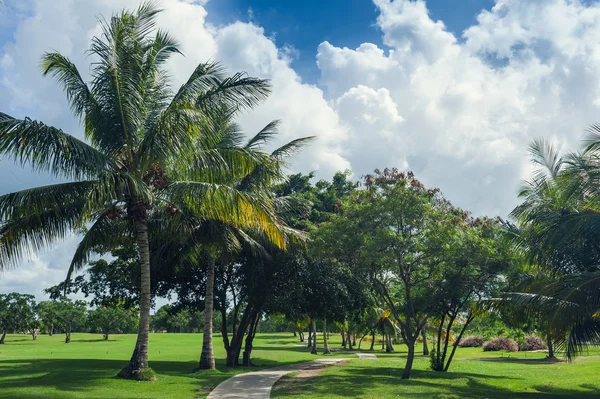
(533, 343)
(471, 342)
(501, 344)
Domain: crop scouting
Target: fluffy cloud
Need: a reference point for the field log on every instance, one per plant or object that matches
(459, 111)
(469, 105)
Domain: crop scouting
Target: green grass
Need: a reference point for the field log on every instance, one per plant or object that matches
(86, 368)
(49, 368)
(503, 375)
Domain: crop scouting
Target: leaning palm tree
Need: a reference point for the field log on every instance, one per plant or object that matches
(137, 128)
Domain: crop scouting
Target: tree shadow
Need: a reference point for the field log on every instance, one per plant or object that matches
(359, 382)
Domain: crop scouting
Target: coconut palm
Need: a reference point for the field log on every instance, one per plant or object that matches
(187, 236)
(138, 129)
(557, 222)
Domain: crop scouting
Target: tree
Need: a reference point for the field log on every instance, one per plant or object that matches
(71, 315)
(48, 315)
(396, 230)
(4, 316)
(556, 233)
(19, 314)
(111, 319)
(139, 132)
(471, 273)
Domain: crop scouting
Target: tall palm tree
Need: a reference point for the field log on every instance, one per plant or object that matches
(138, 128)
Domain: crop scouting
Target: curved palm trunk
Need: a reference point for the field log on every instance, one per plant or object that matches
(139, 360)
(326, 350)
(372, 340)
(207, 357)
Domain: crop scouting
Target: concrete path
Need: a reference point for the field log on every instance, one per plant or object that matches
(258, 384)
(366, 356)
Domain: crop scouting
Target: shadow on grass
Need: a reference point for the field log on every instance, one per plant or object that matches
(359, 382)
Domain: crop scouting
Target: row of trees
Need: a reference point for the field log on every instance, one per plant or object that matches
(187, 206)
(19, 313)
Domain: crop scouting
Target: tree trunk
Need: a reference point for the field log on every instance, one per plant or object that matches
(310, 337)
(343, 339)
(550, 347)
(354, 339)
(139, 359)
(301, 333)
(68, 336)
(207, 357)
(3, 336)
(314, 343)
(50, 330)
(326, 350)
(388, 344)
(372, 340)
(106, 336)
(425, 347)
(409, 359)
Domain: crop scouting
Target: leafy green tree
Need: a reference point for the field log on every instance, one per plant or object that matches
(139, 133)
(71, 315)
(19, 314)
(471, 272)
(112, 319)
(396, 230)
(4, 316)
(48, 315)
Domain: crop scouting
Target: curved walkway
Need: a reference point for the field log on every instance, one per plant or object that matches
(258, 384)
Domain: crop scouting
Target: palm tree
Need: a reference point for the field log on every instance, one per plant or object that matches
(194, 236)
(138, 128)
(557, 222)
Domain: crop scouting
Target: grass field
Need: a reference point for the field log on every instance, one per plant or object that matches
(49, 368)
(85, 368)
(500, 375)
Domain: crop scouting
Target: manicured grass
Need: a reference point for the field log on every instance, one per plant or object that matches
(49, 368)
(86, 368)
(504, 375)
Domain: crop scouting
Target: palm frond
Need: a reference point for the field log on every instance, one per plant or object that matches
(264, 136)
(49, 149)
(292, 147)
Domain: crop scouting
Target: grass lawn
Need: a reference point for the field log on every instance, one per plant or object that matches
(85, 368)
(502, 375)
(49, 368)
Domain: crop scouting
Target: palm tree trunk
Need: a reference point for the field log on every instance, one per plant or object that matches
(309, 335)
(207, 357)
(139, 359)
(372, 340)
(314, 342)
(326, 350)
(550, 347)
(425, 348)
(3, 336)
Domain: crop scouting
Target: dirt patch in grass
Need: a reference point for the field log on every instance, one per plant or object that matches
(294, 382)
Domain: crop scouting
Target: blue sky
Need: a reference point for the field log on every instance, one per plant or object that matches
(344, 23)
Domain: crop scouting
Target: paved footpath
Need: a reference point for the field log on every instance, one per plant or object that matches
(258, 384)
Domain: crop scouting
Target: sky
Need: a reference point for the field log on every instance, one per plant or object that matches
(453, 90)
